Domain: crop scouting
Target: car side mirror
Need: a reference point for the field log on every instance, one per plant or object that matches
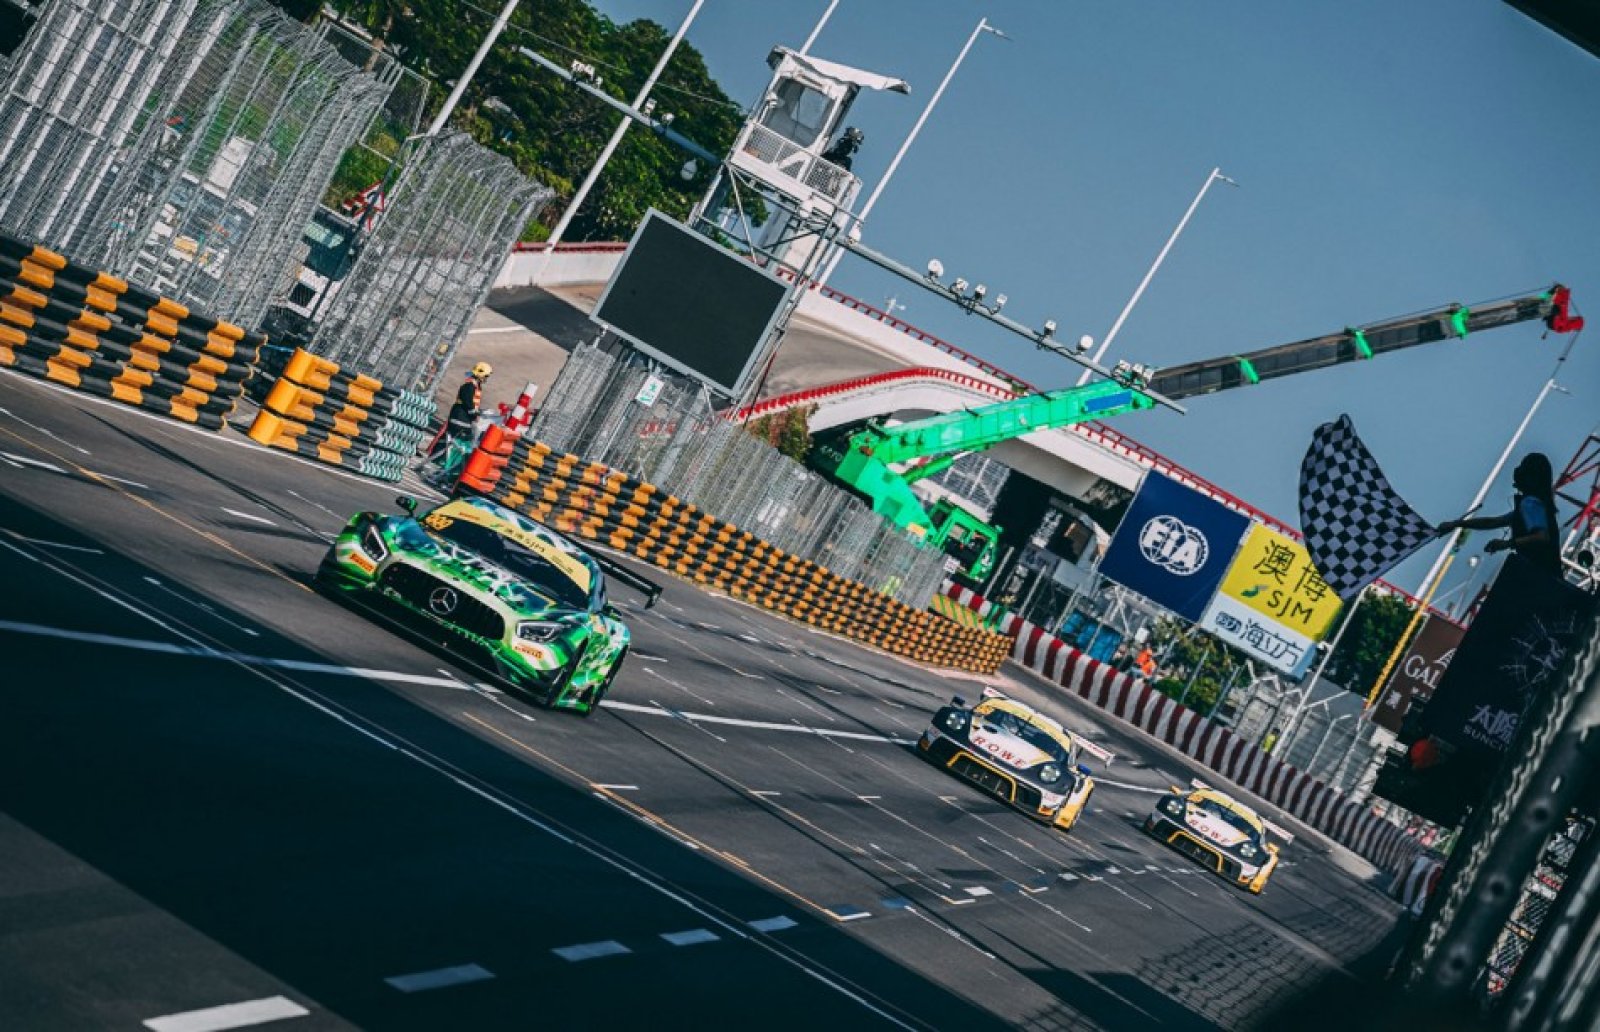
(610, 610)
(1083, 768)
(408, 503)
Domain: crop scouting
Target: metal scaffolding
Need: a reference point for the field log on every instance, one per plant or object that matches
(240, 138)
(74, 92)
(430, 262)
(679, 443)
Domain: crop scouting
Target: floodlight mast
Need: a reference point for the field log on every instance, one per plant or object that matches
(650, 122)
(973, 304)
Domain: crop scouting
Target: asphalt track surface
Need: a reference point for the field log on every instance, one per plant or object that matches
(220, 790)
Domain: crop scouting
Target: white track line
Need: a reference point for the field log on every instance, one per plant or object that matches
(248, 516)
(439, 978)
(232, 1015)
(487, 792)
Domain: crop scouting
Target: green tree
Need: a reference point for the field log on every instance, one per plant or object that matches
(1375, 627)
(1184, 652)
(554, 131)
(788, 431)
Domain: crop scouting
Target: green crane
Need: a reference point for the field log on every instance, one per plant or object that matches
(881, 463)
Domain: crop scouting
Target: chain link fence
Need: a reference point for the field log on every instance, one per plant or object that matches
(682, 445)
(429, 264)
(238, 141)
(74, 92)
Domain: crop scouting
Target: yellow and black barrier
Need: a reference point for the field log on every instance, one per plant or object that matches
(324, 412)
(593, 501)
(95, 332)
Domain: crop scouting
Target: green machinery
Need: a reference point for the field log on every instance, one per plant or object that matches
(881, 463)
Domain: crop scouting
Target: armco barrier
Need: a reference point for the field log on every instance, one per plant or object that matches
(345, 419)
(99, 334)
(593, 501)
(1230, 755)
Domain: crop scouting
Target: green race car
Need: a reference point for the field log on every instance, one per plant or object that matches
(507, 594)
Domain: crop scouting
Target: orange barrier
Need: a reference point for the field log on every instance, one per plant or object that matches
(593, 501)
(319, 410)
(99, 334)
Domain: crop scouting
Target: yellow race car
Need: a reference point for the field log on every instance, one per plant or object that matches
(1224, 835)
(1012, 752)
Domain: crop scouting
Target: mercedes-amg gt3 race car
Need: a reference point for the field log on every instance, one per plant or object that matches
(1224, 835)
(508, 595)
(1014, 753)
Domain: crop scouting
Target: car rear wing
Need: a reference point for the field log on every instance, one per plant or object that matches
(615, 570)
(1278, 831)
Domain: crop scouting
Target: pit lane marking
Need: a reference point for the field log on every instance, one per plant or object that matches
(774, 924)
(591, 950)
(693, 937)
(439, 978)
(230, 1015)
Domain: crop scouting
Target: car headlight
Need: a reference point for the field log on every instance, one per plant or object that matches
(1249, 851)
(1049, 773)
(538, 630)
(1172, 806)
(372, 542)
(957, 720)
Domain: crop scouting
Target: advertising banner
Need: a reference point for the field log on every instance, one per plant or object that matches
(1506, 663)
(1418, 673)
(1173, 546)
(1272, 604)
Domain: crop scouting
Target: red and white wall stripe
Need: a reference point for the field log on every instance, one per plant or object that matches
(1218, 748)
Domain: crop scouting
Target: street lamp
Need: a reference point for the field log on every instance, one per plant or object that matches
(616, 137)
(894, 163)
(1215, 175)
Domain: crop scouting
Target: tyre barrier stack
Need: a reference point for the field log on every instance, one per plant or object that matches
(89, 330)
(318, 410)
(1231, 756)
(593, 501)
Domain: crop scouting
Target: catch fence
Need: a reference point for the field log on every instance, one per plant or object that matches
(680, 443)
(451, 219)
(239, 139)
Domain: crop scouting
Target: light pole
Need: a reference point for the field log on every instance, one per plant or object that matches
(616, 138)
(894, 163)
(1311, 764)
(1322, 664)
(1111, 335)
(460, 87)
(805, 48)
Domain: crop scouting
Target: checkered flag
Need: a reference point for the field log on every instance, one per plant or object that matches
(1357, 528)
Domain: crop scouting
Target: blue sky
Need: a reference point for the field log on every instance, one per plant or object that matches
(1392, 157)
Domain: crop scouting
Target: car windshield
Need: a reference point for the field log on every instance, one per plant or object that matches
(514, 559)
(1212, 808)
(1009, 723)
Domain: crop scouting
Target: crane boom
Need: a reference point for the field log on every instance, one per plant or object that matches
(866, 463)
(1348, 345)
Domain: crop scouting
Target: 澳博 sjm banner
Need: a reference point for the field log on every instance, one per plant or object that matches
(1272, 605)
(1173, 546)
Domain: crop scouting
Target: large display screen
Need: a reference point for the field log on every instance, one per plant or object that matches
(697, 307)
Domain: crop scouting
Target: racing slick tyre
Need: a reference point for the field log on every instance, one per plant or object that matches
(1082, 807)
(558, 686)
(605, 686)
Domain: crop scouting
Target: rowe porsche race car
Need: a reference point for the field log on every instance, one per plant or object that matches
(506, 594)
(1225, 836)
(1012, 752)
